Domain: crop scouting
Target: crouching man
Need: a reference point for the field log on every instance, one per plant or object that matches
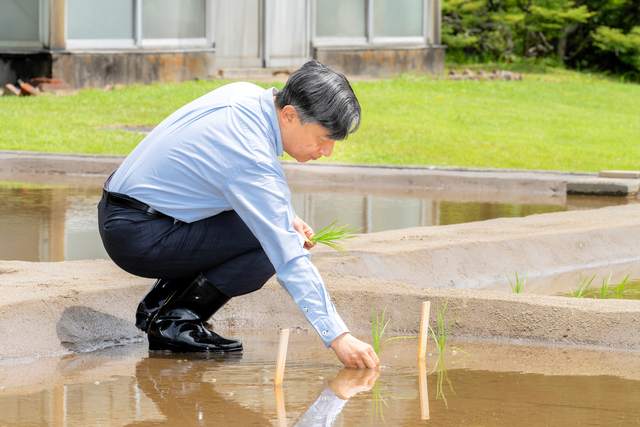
(202, 204)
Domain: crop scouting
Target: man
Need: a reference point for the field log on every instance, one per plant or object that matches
(202, 203)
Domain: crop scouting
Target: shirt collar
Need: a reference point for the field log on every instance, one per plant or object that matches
(269, 110)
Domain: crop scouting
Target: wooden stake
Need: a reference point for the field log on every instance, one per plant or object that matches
(281, 412)
(424, 330)
(424, 393)
(282, 357)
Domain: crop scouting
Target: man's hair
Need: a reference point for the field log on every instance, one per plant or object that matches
(322, 96)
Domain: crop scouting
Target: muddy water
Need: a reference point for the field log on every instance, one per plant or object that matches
(56, 223)
(496, 385)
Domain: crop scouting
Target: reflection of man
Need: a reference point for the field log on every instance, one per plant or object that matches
(179, 393)
(202, 203)
(327, 407)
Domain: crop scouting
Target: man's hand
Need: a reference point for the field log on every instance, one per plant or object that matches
(354, 353)
(306, 231)
(350, 382)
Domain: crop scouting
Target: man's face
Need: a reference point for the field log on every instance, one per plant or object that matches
(303, 142)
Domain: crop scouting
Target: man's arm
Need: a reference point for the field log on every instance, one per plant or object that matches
(259, 195)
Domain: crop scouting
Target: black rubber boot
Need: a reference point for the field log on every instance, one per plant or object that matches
(178, 325)
(151, 303)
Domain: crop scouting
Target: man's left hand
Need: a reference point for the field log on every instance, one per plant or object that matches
(306, 231)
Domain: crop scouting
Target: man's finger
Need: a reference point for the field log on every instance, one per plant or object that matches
(369, 361)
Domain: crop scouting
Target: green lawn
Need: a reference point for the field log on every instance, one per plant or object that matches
(558, 120)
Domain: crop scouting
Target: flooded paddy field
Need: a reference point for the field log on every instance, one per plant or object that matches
(59, 222)
(497, 384)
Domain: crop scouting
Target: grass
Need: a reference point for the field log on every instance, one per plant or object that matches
(581, 292)
(518, 287)
(379, 328)
(620, 287)
(604, 289)
(332, 235)
(556, 119)
(440, 337)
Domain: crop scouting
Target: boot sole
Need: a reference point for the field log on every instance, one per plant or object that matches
(161, 346)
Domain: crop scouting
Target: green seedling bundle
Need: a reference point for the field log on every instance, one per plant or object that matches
(333, 236)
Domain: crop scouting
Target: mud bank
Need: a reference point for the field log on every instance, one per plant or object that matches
(53, 308)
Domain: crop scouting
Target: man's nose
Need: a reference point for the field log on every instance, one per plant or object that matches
(327, 149)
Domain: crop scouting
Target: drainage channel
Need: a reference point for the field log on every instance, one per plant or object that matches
(496, 384)
(56, 223)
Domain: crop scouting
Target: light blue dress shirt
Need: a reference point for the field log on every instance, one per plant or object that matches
(219, 153)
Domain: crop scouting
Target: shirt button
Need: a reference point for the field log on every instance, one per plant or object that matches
(324, 332)
(305, 309)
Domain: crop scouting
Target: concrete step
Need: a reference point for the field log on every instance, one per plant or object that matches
(254, 73)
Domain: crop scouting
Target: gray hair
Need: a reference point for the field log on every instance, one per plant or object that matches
(322, 96)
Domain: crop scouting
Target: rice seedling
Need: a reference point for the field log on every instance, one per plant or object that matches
(581, 292)
(604, 290)
(518, 287)
(620, 287)
(442, 377)
(441, 336)
(378, 399)
(379, 327)
(332, 235)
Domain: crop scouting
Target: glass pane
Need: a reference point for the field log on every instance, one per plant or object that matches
(341, 18)
(99, 19)
(238, 28)
(287, 29)
(397, 18)
(19, 20)
(173, 19)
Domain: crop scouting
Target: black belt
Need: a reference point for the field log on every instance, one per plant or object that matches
(125, 201)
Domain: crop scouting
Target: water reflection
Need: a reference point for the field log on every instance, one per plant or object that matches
(56, 223)
(141, 389)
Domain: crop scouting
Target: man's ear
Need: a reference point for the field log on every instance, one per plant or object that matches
(289, 115)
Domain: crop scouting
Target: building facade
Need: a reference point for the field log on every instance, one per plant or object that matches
(91, 43)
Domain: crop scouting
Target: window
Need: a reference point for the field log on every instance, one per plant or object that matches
(136, 23)
(341, 19)
(353, 22)
(173, 22)
(398, 18)
(97, 23)
(20, 23)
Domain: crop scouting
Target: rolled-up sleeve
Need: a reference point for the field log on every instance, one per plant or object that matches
(260, 196)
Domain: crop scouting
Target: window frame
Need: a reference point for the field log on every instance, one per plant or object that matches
(369, 40)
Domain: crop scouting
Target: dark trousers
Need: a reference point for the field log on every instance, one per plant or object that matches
(221, 247)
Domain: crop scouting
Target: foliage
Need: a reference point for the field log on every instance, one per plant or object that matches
(620, 287)
(440, 337)
(379, 327)
(521, 281)
(604, 289)
(331, 235)
(581, 292)
(601, 34)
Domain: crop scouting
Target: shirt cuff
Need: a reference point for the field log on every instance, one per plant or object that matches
(330, 328)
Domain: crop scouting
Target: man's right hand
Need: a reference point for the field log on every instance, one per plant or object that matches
(354, 353)
(350, 382)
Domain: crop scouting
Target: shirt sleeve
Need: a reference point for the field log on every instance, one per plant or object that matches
(324, 410)
(260, 196)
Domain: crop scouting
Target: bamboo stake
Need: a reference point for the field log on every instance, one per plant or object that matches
(280, 409)
(282, 357)
(424, 330)
(424, 393)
